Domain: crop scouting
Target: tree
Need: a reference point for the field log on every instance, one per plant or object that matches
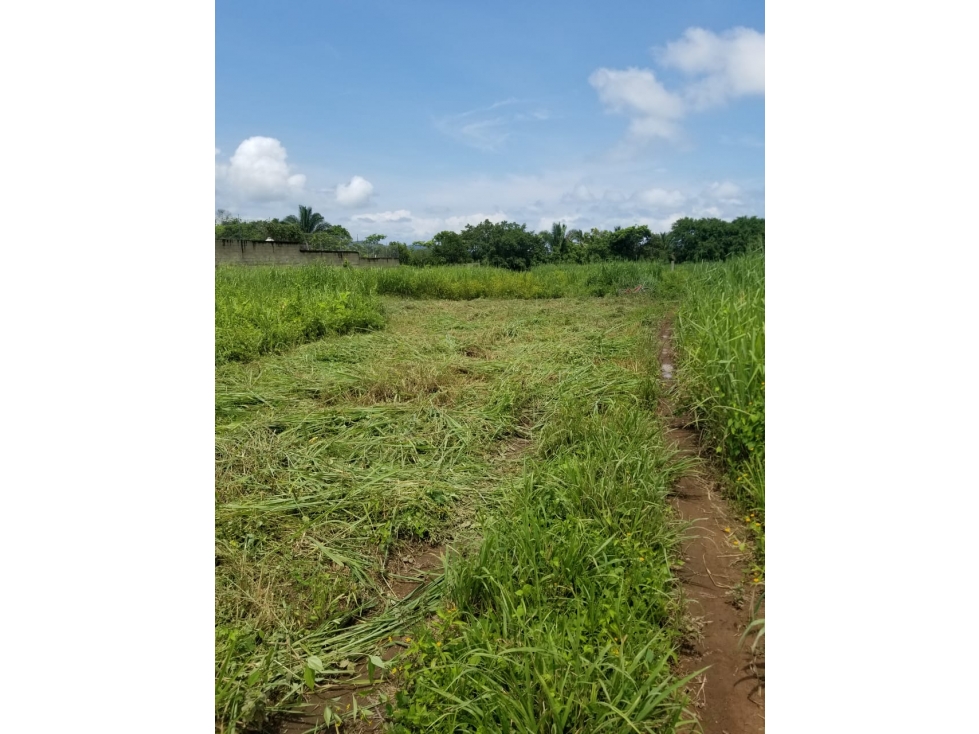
(308, 221)
(231, 227)
(557, 240)
(714, 239)
(449, 248)
(628, 243)
(660, 247)
(372, 244)
(283, 231)
(504, 245)
(402, 252)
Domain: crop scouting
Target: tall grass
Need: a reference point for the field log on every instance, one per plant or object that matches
(720, 333)
(261, 310)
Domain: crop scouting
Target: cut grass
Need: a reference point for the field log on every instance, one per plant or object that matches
(566, 619)
(340, 453)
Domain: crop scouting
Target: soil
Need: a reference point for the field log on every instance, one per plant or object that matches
(729, 696)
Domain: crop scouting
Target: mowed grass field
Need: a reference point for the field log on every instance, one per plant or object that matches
(448, 514)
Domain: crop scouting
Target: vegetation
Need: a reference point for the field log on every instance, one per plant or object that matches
(309, 228)
(566, 619)
(308, 221)
(267, 309)
(364, 422)
(263, 310)
(342, 455)
(720, 332)
(512, 246)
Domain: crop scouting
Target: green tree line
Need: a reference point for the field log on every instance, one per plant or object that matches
(511, 245)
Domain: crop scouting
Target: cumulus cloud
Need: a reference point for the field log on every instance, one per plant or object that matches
(401, 215)
(258, 172)
(637, 93)
(661, 197)
(405, 224)
(356, 193)
(719, 68)
(724, 191)
(729, 65)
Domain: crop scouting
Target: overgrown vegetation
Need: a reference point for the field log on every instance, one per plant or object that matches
(515, 426)
(511, 245)
(566, 618)
(342, 456)
(720, 332)
(262, 310)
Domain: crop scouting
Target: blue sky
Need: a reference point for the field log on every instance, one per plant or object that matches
(406, 118)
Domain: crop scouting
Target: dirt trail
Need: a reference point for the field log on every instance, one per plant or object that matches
(729, 697)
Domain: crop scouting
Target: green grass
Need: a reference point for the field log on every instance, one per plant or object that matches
(267, 310)
(263, 310)
(720, 333)
(363, 415)
(566, 619)
(339, 455)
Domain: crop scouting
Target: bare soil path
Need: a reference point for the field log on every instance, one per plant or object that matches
(729, 697)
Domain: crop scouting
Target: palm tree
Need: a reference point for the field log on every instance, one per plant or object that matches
(558, 238)
(664, 246)
(308, 220)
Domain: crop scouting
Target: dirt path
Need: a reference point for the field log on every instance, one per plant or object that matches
(729, 697)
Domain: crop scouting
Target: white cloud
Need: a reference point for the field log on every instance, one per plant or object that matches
(258, 172)
(661, 197)
(545, 223)
(637, 93)
(405, 224)
(719, 67)
(401, 215)
(723, 191)
(581, 193)
(356, 193)
(663, 224)
(460, 222)
(731, 64)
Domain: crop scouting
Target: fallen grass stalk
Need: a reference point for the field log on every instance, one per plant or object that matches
(566, 618)
(341, 456)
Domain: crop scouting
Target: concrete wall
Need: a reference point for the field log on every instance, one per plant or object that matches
(257, 252)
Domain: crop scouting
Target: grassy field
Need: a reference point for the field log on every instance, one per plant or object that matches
(363, 425)
(264, 310)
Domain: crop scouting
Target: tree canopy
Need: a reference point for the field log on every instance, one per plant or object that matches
(308, 221)
(512, 245)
